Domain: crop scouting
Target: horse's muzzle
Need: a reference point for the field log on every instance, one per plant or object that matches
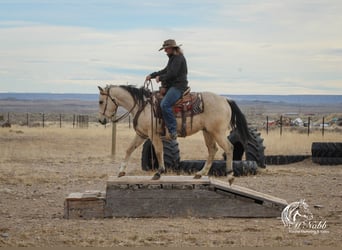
(103, 122)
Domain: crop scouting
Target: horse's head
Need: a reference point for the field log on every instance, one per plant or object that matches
(107, 105)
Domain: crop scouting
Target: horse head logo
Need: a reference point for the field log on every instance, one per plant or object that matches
(295, 213)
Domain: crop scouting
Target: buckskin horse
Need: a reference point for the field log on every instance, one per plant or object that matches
(219, 115)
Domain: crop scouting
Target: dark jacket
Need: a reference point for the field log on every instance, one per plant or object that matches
(174, 74)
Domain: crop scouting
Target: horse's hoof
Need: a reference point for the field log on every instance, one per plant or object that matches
(197, 176)
(121, 174)
(230, 171)
(156, 176)
(230, 179)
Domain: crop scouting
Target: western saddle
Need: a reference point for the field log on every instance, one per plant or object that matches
(188, 105)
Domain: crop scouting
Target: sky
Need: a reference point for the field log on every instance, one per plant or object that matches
(231, 46)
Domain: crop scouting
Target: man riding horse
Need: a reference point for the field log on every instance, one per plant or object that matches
(174, 79)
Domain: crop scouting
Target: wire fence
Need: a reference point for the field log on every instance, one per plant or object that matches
(283, 123)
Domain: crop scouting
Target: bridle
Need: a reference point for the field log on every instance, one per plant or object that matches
(123, 116)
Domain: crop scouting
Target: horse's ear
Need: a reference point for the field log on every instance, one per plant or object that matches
(101, 90)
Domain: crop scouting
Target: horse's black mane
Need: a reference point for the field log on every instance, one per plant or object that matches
(139, 94)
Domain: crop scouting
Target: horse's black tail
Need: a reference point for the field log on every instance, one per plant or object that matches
(238, 121)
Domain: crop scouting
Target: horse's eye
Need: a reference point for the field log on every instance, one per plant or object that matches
(100, 102)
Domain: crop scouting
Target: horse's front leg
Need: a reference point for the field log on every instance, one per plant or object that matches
(137, 141)
(158, 148)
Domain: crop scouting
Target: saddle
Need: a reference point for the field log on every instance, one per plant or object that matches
(188, 105)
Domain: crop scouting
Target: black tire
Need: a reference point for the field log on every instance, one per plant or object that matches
(254, 150)
(218, 168)
(327, 160)
(284, 159)
(171, 156)
(326, 149)
(148, 157)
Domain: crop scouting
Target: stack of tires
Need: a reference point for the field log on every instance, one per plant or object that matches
(254, 151)
(327, 153)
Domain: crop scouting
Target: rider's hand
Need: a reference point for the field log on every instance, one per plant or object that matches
(148, 77)
(157, 79)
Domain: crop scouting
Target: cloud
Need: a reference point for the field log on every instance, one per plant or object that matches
(243, 47)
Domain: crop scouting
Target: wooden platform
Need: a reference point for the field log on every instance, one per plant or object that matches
(182, 196)
(171, 196)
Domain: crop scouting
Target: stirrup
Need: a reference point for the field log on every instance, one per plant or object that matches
(169, 137)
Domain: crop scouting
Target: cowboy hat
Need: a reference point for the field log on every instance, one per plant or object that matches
(170, 43)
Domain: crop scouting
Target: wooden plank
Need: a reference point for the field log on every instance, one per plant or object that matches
(84, 209)
(87, 195)
(246, 192)
(87, 205)
(113, 180)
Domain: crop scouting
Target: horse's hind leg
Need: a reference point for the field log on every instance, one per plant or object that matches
(212, 149)
(228, 148)
(137, 141)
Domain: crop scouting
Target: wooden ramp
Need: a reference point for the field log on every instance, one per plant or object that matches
(172, 196)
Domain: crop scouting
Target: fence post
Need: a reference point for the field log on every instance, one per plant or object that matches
(267, 125)
(60, 120)
(323, 127)
(8, 117)
(73, 121)
(281, 125)
(43, 120)
(114, 138)
(308, 125)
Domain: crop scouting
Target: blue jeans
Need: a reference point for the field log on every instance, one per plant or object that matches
(171, 97)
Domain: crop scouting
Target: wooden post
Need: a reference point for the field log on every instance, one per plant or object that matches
(60, 120)
(73, 121)
(308, 125)
(267, 125)
(43, 120)
(281, 125)
(8, 117)
(114, 138)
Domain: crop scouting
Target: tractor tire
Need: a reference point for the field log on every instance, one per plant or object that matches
(171, 156)
(326, 149)
(218, 168)
(254, 150)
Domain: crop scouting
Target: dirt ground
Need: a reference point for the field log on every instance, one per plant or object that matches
(40, 167)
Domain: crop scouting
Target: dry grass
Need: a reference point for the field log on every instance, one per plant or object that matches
(295, 143)
(40, 167)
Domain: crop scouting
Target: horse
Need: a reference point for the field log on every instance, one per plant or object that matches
(296, 212)
(219, 115)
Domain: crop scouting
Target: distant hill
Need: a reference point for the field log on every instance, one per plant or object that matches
(287, 99)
